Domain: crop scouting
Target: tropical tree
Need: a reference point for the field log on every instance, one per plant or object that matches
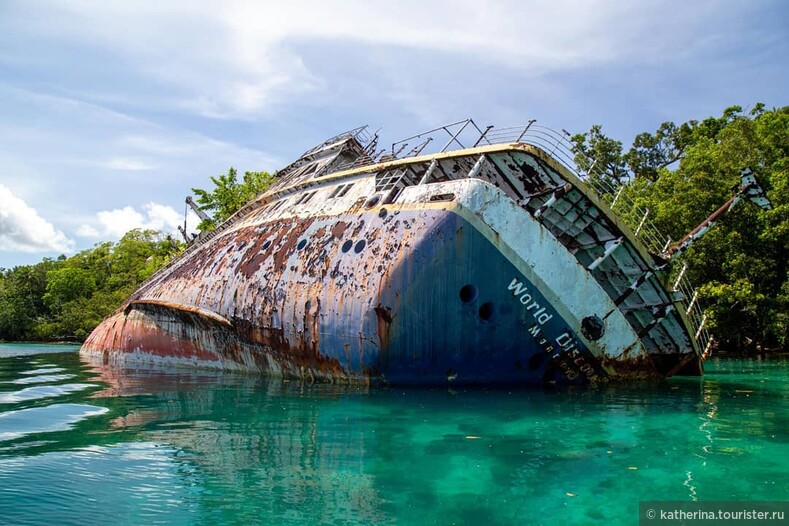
(66, 298)
(229, 195)
(682, 173)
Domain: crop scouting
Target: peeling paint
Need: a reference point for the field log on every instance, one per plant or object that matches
(341, 287)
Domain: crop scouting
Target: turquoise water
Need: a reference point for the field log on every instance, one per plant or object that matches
(88, 444)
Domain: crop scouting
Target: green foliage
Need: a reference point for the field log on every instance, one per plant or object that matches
(682, 174)
(229, 195)
(67, 298)
(650, 153)
(599, 155)
(21, 298)
(67, 284)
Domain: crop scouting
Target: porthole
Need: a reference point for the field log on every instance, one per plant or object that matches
(487, 311)
(468, 293)
(372, 201)
(537, 360)
(593, 327)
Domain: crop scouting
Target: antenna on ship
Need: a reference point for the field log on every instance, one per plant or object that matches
(749, 188)
(182, 229)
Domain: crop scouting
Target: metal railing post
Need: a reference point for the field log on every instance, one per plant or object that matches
(675, 288)
(616, 197)
(429, 172)
(454, 137)
(528, 125)
(483, 136)
(701, 326)
(643, 220)
(692, 302)
(477, 167)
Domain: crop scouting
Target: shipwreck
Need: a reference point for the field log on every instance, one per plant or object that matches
(459, 256)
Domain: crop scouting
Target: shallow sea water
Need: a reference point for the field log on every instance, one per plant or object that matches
(82, 443)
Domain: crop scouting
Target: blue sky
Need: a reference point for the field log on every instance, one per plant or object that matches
(110, 112)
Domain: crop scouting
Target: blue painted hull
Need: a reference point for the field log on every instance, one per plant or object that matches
(455, 317)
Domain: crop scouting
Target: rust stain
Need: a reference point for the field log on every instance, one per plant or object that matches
(339, 229)
(384, 319)
(358, 228)
(640, 367)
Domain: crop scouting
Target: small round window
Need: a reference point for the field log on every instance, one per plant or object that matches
(487, 311)
(468, 293)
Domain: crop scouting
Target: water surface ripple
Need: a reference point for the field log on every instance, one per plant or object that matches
(83, 443)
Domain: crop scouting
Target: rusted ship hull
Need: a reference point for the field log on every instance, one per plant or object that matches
(435, 282)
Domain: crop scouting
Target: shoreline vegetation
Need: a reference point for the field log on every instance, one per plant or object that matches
(681, 173)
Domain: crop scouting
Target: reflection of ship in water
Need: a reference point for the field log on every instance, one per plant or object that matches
(295, 447)
(347, 450)
(228, 448)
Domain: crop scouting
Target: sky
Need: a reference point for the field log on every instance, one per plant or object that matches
(110, 112)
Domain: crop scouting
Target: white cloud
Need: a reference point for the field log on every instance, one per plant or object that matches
(241, 58)
(23, 230)
(162, 217)
(67, 174)
(129, 164)
(87, 231)
(113, 224)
